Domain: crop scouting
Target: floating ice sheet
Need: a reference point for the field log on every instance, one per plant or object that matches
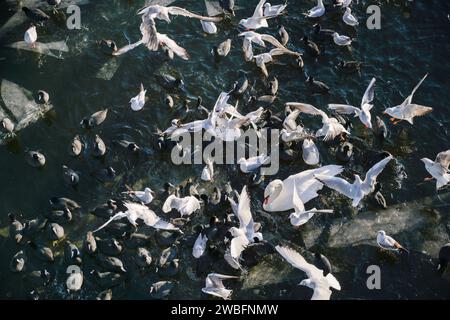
(19, 105)
(108, 70)
(19, 17)
(42, 48)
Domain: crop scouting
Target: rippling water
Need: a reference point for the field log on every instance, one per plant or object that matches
(413, 40)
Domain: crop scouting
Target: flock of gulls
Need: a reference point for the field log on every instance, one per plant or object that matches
(235, 238)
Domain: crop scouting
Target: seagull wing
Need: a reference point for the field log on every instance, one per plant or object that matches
(165, 41)
(338, 184)
(117, 216)
(237, 245)
(309, 109)
(149, 33)
(244, 213)
(372, 174)
(443, 158)
(185, 13)
(127, 48)
(369, 94)
(409, 98)
(297, 261)
(272, 40)
(289, 122)
(259, 11)
(344, 108)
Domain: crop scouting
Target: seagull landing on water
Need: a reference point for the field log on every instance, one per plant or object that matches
(359, 188)
(389, 243)
(215, 287)
(408, 110)
(439, 168)
(138, 102)
(316, 280)
(364, 112)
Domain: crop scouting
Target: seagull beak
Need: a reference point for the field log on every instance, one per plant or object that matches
(266, 200)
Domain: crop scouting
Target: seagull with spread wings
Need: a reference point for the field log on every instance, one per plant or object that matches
(408, 110)
(245, 234)
(439, 168)
(215, 287)
(331, 127)
(363, 113)
(266, 57)
(139, 211)
(359, 188)
(258, 38)
(316, 280)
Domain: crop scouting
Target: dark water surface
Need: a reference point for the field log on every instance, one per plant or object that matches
(413, 40)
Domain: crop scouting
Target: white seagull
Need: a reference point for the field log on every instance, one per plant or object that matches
(310, 153)
(245, 234)
(266, 57)
(301, 216)
(359, 188)
(185, 206)
(208, 171)
(389, 243)
(363, 113)
(316, 280)
(331, 127)
(341, 40)
(408, 110)
(30, 36)
(317, 11)
(209, 27)
(257, 20)
(252, 163)
(439, 168)
(138, 102)
(215, 287)
(139, 211)
(199, 245)
(146, 196)
(164, 13)
(278, 195)
(348, 18)
(270, 10)
(258, 38)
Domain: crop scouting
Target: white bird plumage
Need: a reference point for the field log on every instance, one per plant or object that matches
(316, 280)
(359, 188)
(331, 127)
(215, 287)
(199, 245)
(137, 211)
(364, 111)
(185, 206)
(30, 36)
(408, 110)
(252, 163)
(316, 11)
(138, 102)
(348, 18)
(341, 40)
(439, 168)
(146, 196)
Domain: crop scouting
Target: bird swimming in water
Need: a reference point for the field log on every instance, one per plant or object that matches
(316, 11)
(94, 119)
(348, 18)
(138, 102)
(35, 159)
(222, 49)
(341, 40)
(258, 19)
